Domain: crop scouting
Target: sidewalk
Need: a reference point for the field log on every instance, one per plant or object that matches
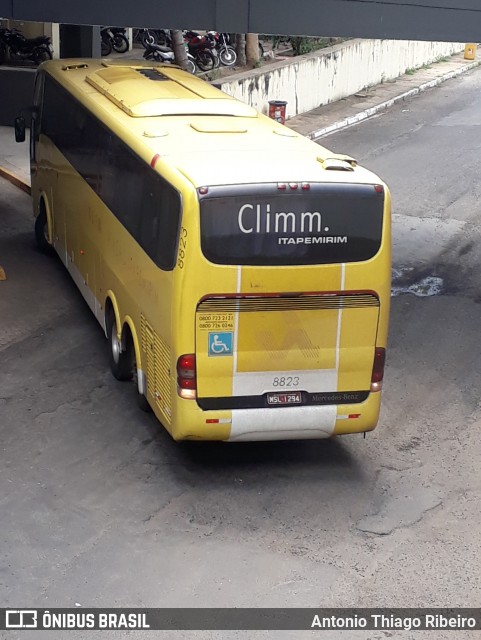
(14, 158)
(348, 111)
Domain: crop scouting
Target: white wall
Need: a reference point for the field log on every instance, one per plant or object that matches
(324, 76)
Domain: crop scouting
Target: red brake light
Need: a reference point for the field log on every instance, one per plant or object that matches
(186, 365)
(378, 188)
(281, 186)
(306, 186)
(378, 369)
(293, 185)
(186, 377)
(187, 383)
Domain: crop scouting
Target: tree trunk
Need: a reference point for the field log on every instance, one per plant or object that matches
(240, 49)
(252, 48)
(178, 46)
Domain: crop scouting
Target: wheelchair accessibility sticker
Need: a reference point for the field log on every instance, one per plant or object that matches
(220, 344)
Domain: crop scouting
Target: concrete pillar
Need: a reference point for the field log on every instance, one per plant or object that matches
(130, 36)
(79, 41)
(52, 30)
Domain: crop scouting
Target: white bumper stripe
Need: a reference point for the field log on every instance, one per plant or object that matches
(283, 424)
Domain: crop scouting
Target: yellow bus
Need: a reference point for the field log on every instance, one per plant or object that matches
(240, 271)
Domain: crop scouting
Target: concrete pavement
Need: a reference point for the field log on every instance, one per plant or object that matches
(14, 158)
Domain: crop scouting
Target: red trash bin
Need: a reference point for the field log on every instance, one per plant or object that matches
(277, 110)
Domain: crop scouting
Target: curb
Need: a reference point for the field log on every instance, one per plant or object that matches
(15, 180)
(368, 113)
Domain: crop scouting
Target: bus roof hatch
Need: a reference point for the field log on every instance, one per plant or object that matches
(137, 91)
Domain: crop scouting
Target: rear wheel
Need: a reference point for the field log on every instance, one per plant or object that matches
(120, 43)
(147, 38)
(121, 359)
(41, 231)
(228, 56)
(143, 403)
(123, 362)
(205, 60)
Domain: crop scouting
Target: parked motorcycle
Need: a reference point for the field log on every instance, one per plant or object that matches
(225, 52)
(163, 54)
(201, 48)
(15, 46)
(113, 38)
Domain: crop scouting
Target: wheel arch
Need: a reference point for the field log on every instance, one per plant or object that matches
(111, 306)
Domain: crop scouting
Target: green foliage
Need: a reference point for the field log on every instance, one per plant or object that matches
(300, 44)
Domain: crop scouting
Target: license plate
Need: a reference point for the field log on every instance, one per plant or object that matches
(281, 399)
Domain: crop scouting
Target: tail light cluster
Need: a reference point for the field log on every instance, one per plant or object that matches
(186, 377)
(378, 369)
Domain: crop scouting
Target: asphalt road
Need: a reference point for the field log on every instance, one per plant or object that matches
(99, 507)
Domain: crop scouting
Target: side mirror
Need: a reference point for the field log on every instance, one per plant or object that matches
(20, 129)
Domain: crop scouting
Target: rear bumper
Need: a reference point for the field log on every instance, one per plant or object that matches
(280, 423)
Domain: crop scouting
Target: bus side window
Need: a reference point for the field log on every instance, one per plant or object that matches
(159, 220)
(146, 205)
(90, 150)
(122, 183)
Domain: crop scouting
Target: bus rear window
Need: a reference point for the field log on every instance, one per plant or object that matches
(327, 224)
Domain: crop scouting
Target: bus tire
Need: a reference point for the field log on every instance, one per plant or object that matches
(41, 231)
(143, 403)
(121, 361)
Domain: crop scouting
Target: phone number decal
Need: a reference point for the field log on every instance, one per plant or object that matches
(216, 321)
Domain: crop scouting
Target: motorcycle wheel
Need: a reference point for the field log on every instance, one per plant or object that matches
(228, 56)
(205, 60)
(163, 38)
(105, 47)
(147, 38)
(120, 43)
(41, 55)
(191, 68)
